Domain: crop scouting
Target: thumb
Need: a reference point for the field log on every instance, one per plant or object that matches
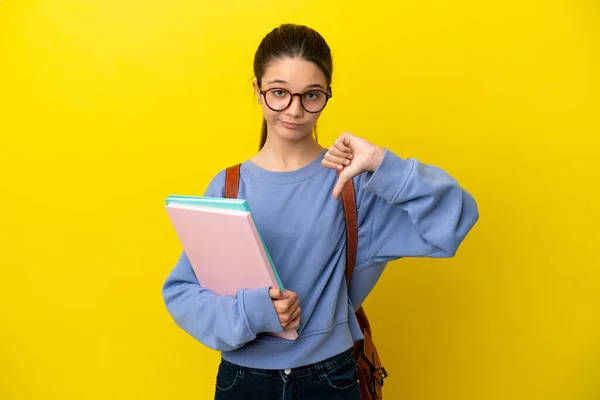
(277, 294)
(339, 186)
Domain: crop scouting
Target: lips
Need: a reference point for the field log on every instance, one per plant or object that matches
(290, 125)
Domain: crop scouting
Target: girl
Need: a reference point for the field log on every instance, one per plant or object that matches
(405, 208)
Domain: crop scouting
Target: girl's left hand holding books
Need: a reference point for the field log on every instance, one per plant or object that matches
(351, 156)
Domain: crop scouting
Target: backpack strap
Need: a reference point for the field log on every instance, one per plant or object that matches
(232, 181)
(350, 215)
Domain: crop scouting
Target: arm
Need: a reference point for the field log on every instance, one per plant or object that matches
(219, 322)
(408, 208)
(405, 207)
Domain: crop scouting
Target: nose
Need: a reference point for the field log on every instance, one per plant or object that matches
(295, 108)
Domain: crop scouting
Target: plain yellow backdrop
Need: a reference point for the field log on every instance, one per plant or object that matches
(106, 107)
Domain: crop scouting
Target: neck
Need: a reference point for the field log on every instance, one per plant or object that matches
(284, 155)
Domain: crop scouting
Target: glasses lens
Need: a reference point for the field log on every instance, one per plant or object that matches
(277, 99)
(314, 101)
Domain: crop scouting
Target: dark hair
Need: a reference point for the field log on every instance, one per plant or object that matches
(293, 41)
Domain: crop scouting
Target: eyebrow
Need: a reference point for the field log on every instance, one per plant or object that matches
(314, 85)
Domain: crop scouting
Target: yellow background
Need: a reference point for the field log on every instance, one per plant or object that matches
(108, 106)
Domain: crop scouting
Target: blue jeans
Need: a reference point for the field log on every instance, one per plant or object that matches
(333, 379)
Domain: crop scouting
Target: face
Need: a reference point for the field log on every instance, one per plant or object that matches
(296, 76)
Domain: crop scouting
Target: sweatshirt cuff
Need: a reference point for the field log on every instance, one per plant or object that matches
(390, 177)
(259, 310)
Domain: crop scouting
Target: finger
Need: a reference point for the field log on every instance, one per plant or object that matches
(291, 297)
(336, 160)
(343, 142)
(333, 150)
(296, 314)
(285, 305)
(329, 164)
(277, 294)
(292, 306)
(341, 147)
(293, 321)
(288, 316)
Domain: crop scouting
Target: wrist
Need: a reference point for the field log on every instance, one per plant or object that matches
(376, 158)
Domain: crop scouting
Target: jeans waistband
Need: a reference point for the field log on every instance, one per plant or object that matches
(311, 369)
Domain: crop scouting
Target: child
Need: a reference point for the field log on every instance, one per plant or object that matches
(405, 208)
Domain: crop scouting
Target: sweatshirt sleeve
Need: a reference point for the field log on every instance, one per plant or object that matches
(410, 209)
(222, 323)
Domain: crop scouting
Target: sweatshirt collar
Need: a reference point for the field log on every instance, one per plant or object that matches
(287, 177)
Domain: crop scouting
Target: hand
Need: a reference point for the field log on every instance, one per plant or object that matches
(287, 306)
(351, 156)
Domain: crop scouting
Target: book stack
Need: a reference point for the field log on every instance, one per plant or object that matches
(223, 245)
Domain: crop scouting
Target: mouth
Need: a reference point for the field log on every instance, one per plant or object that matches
(290, 125)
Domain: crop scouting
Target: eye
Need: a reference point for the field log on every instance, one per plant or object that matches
(313, 95)
(279, 93)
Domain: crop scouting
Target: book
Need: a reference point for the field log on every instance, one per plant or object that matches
(223, 245)
(229, 204)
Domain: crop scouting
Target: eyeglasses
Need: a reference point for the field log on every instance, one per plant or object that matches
(312, 101)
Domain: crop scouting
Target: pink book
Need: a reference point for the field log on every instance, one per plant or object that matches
(225, 250)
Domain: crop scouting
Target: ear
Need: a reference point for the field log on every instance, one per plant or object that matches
(256, 91)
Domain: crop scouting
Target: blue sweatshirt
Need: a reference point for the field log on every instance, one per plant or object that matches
(405, 209)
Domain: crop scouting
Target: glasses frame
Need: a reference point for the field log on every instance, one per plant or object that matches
(301, 95)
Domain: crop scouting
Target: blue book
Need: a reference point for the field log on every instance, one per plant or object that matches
(215, 202)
